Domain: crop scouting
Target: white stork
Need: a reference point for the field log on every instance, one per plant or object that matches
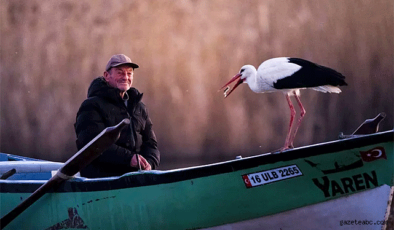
(288, 75)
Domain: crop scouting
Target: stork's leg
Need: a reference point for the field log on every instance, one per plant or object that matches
(292, 114)
(302, 114)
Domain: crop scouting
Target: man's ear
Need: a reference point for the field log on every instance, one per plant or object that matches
(106, 74)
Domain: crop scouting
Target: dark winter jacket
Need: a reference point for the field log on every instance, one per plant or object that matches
(104, 107)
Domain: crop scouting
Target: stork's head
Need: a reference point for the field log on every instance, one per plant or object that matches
(244, 74)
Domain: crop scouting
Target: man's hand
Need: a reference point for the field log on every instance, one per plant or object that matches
(143, 162)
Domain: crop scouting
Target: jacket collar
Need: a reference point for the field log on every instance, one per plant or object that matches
(100, 88)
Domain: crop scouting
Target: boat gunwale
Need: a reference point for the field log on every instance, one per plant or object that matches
(156, 177)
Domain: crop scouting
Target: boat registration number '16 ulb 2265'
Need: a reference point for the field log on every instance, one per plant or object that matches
(272, 175)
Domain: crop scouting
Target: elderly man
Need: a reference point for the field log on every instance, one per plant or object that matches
(111, 99)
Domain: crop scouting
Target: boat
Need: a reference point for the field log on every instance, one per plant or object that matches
(341, 184)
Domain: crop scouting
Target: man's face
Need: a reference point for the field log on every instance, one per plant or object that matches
(120, 77)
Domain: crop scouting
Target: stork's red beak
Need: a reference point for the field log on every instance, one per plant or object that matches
(238, 76)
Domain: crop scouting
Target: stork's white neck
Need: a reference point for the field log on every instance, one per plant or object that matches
(251, 79)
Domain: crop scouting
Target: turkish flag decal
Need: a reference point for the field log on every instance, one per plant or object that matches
(247, 181)
(373, 154)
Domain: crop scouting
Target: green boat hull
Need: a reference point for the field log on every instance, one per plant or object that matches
(248, 189)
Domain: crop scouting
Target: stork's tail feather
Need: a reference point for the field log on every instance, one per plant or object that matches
(327, 89)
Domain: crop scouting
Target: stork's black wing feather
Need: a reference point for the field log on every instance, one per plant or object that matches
(310, 75)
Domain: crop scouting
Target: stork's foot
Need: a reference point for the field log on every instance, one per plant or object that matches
(284, 148)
